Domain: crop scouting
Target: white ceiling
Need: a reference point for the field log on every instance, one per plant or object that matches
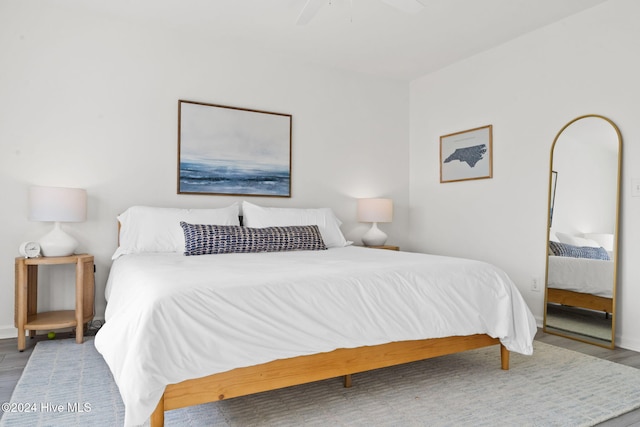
(359, 35)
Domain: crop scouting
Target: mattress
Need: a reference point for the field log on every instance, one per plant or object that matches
(171, 317)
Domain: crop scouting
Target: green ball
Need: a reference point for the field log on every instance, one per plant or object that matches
(51, 335)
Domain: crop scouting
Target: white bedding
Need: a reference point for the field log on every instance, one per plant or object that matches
(171, 317)
(589, 276)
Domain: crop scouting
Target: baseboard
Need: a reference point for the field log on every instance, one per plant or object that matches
(629, 344)
(539, 321)
(8, 331)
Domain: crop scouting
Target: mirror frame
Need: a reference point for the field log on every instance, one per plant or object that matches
(615, 237)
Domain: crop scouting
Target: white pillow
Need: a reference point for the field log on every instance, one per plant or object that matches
(149, 229)
(606, 240)
(328, 224)
(576, 241)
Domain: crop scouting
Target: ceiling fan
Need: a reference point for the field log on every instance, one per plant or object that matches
(313, 6)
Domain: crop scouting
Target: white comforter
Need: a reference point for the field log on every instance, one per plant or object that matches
(171, 317)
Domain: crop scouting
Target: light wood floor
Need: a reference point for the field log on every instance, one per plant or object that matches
(12, 363)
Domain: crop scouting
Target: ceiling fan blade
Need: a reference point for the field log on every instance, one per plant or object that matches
(309, 11)
(409, 6)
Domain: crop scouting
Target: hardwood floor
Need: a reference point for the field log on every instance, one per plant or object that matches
(12, 363)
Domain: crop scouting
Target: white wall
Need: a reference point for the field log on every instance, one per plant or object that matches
(91, 102)
(528, 89)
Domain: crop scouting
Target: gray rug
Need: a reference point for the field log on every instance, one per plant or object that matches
(69, 385)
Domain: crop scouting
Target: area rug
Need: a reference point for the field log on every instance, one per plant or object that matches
(68, 384)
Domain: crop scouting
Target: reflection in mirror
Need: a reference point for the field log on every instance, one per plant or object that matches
(584, 182)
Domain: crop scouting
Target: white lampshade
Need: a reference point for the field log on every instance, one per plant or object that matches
(375, 211)
(57, 204)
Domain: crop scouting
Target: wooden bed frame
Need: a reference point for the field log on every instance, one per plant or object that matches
(578, 299)
(304, 369)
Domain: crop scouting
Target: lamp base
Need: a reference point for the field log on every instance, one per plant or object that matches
(57, 242)
(375, 236)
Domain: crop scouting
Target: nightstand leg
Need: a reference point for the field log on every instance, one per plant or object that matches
(22, 340)
(21, 302)
(79, 301)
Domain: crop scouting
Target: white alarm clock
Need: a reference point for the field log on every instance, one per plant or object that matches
(30, 249)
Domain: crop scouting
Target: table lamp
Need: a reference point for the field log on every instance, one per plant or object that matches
(375, 211)
(57, 204)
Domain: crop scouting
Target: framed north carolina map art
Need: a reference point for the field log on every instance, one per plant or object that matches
(466, 155)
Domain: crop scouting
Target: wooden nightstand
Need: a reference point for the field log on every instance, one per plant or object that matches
(388, 247)
(26, 309)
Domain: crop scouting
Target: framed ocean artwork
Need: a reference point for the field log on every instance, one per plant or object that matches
(466, 155)
(233, 151)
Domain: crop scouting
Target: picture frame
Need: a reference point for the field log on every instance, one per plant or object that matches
(224, 150)
(467, 155)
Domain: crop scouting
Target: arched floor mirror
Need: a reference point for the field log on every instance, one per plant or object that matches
(582, 232)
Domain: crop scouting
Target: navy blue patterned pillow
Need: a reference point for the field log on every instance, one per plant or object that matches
(222, 239)
(563, 249)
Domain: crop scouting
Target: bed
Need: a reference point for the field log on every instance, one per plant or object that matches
(183, 330)
(580, 277)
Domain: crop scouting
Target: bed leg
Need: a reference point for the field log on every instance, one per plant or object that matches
(347, 381)
(157, 417)
(504, 357)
